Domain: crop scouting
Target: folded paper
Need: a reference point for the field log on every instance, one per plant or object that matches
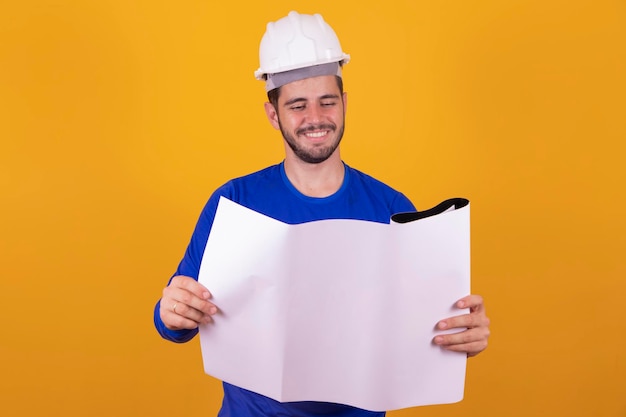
(339, 311)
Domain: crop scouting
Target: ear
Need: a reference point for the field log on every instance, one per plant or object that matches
(272, 115)
(345, 102)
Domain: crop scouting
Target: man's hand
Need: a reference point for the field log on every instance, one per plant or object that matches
(185, 304)
(473, 340)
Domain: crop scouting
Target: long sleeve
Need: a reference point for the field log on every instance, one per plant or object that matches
(190, 266)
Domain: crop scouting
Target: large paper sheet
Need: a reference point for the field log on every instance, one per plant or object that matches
(338, 311)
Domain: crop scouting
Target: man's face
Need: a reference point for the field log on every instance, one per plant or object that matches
(310, 114)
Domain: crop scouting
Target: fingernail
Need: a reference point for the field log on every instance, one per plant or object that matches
(438, 340)
(443, 324)
(461, 304)
(212, 310)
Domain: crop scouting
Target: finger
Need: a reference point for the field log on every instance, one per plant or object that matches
(175, 321)
(467, 336)
(191, 313)
(467, 321)
(178, 315)
(471, 341)
(191, 285)
(473, 302)
(186, 302)
(183, 290)
(471, 349)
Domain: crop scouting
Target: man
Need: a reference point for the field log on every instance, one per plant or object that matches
(301, 62)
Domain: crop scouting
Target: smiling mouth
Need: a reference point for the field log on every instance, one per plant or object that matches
(315, 135)
(316, 132)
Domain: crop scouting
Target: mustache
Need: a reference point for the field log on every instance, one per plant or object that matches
(312, 128)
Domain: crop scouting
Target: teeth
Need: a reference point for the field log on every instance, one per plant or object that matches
(316, 134)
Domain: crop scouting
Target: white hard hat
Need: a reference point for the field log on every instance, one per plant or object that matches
(298, 41)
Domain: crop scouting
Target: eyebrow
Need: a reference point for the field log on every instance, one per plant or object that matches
(301, 99)
(294, 100)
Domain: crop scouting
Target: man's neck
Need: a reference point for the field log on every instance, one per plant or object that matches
(316, 180)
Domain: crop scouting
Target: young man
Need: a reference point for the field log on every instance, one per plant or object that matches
(301, 62)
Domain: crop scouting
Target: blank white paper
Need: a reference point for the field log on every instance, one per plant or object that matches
(338, 311)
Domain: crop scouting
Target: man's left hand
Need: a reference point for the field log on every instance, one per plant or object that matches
(473, 339)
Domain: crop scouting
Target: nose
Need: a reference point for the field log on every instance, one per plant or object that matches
(314, 113)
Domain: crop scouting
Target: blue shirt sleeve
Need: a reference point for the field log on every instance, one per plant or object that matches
(190, 266)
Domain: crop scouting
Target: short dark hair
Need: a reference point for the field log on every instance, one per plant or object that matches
(273, 95)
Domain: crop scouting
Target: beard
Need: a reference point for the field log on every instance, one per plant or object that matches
(314, 155)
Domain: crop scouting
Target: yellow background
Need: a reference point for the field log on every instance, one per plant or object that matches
(118, 118)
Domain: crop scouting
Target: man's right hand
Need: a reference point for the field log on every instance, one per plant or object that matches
(185, 304)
